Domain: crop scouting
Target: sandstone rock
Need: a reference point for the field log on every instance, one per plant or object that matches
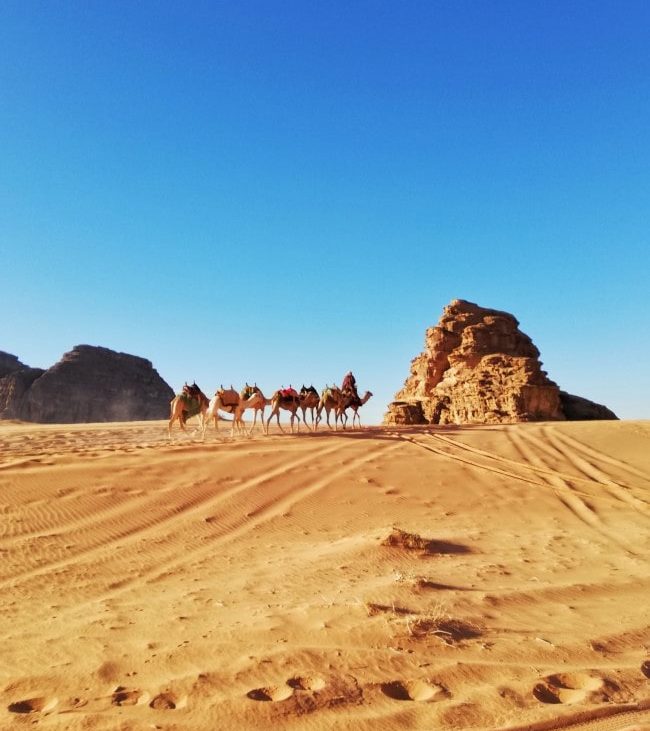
(9, 363)
(89, 384)
(404, 413)
(14, 392)
(479, 368)
(577, 408)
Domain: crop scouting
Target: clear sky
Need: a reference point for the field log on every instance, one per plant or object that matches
(281, 191)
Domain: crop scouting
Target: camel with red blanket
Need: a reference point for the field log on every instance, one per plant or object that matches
(287, 399)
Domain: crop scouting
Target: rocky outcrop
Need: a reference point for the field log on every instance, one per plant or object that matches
(479, 368)
(14, 392)
(89, 384)
(577, 408)
(9, 364)
(404, 413)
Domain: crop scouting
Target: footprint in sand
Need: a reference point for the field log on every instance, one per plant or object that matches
(272, 693)
(645, 668)
(127, 697)
(567, 688)
(167, 701)
(33, 705)
(414, 690)
(306, 682)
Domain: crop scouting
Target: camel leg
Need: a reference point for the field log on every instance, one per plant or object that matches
(254, 422)
(344, 418)
(294, 415)
(172, 417)
(304, 416)
(276, 413)
(176, 414)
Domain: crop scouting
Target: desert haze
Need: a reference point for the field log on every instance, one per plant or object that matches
(425, 577)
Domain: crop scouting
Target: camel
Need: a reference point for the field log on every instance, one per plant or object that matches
(351, 401)
(329, 400)
(251, 397)
(309, 399)
(287, 399)
(183, 406)
(224, 399)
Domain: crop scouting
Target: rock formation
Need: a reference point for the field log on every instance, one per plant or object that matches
(479, 368)
(89, 384)
(577, 408)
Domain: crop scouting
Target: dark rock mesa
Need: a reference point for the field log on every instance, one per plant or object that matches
(88, 384)
(479, 368)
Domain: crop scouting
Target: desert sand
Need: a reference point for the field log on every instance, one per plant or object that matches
(384, 578)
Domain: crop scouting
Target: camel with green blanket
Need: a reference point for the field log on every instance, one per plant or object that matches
(190, 402)
(331, 399)
(351, 401)
(251, 397)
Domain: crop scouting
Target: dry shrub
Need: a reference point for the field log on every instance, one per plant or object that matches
(448, 629)
(410, 541)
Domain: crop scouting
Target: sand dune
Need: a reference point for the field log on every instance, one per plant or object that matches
(429, 578)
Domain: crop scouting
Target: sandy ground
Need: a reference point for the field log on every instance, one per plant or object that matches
(429, 578)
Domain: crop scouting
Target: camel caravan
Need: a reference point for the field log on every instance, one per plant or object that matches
(193, 402)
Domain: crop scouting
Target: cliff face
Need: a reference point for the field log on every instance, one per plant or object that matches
(479, 368)
(89, 384)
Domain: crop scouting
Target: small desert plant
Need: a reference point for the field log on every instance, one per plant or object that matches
(410, 541)
(440, 623)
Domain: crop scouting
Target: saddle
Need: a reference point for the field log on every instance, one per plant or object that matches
(289, 393)
(229, 398)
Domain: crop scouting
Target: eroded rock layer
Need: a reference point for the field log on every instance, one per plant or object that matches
(479, 368)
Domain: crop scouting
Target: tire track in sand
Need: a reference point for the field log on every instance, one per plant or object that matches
(547, 477)
(267, 504)
(608, 718)
(124, 535)
(601, 479)
(526, 443)
(267, 509)
(583, 458)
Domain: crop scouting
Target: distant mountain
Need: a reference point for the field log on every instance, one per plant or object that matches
(88, 384)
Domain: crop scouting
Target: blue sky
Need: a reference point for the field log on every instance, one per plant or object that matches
(281, 191)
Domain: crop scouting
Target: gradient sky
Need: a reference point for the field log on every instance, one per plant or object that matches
(283, 191)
